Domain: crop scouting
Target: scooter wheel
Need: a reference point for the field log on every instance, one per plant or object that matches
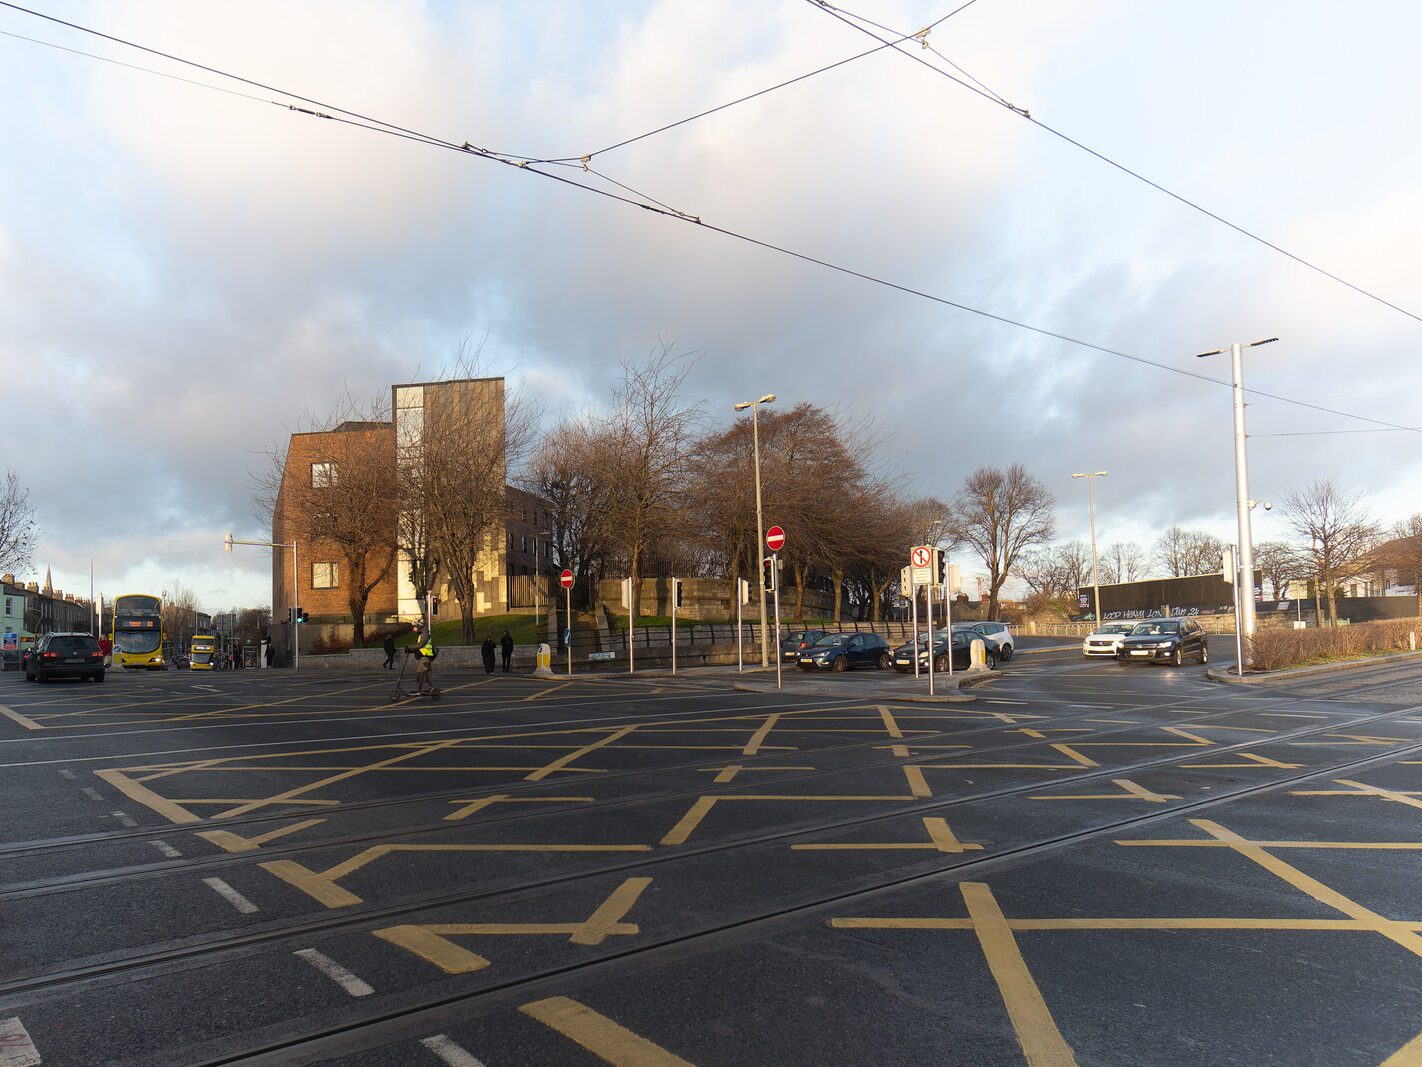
(395, 696)
(434, 694)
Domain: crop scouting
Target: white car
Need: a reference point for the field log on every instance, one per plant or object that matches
(995, 635)
(1106, 640)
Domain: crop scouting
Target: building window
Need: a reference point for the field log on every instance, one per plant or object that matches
(525, 514)
(323, 475)
(523, 544)
(9, 607)
(325, 576)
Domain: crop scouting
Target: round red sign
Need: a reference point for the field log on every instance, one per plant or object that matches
(566, 578)
(775, 539)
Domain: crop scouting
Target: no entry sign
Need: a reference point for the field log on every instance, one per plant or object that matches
(566, 579)
(775, 539)
(920, 556)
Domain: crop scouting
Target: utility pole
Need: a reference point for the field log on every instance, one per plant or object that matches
(1091, 500)
(754, 406)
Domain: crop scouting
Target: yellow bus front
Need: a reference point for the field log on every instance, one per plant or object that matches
(138, 632)
(201, 652)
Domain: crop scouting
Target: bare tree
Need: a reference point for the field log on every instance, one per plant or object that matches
(1054, 574)
(1403, 554)
(1277, 563)
(1123, 561)
(18, 531)
(1336, 536)
(1001, 514)
(180, 612)
(1185, 552)
(640, 451)
(560, 474)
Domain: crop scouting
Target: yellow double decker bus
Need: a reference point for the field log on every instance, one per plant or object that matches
(202, 651)
(138, 632)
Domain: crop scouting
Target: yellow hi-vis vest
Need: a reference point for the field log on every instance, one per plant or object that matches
(428, 649)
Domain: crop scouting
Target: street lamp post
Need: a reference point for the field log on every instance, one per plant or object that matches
(295, 602)
(754, 406)
(1091, 501)
(1241, 485)
(98, 618)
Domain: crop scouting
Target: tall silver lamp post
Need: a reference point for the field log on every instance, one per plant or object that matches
(228, 542)
(1245, 562)
(1091, 501)
(754, 405)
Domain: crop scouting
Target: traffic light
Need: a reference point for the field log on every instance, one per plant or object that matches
(434, 605)
(301, 615)
(767, 566)
(677, 592)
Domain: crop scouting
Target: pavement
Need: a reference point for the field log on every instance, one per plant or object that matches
(1086, 863)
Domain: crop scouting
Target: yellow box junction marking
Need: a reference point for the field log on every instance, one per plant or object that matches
(27, 723)
(562, 762)
(1130, 791)
(1359, 789)
(431, 941)
(728, 773)
(321, 885)
(758, 738)
(702, 806)
(472, 807)
(600, 1035)
(941, 839)
(1356, 739)
(1253, 759)
(235, 843)
(1409, 1055)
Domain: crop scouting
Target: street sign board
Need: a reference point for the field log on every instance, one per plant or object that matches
(10, 642)
(775, 539)
(921, 565)
(602, 655)
(566, 579)
(920, 556)
(567, 638)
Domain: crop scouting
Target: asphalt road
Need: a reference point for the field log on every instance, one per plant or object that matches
(1087, 864)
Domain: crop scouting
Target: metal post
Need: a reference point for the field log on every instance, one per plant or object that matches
(948, 614)
(295, 604)
(928, 604)
(1238, 629)
(1241, 478)
(740, 655)
(913, 603)
(673, 613)
(775, 580)
(631, 626)
(569, 592)
(1095, 579)
(760, 539)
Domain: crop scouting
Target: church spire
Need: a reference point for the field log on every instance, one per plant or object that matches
(48, 589)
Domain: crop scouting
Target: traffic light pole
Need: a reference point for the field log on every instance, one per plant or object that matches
(775, 580)
(674, 599)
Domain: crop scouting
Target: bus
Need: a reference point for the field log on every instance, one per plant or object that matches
(202, 652)
(137, 621)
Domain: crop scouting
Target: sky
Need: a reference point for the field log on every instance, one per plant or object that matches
(188, 275)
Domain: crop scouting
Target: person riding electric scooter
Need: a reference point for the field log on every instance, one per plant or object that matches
(424, 651)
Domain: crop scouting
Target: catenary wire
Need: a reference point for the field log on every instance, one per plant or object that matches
(987, 94)
(351, 118)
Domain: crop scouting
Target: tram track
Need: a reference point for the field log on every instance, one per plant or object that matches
(201, 949)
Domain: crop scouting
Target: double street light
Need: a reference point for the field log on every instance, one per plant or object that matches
(229, 541)
(1091, 500)
(754, 405)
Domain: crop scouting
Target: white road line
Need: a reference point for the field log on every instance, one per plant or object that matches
(236, 899)
(992, 700)
(451, 1053)
(1292, 715)
(67, 773)
(16, 1048)
(1410, 720)
(1091, 707)
(167, 849)
(335, 972)
(92, 793)
(122, 819)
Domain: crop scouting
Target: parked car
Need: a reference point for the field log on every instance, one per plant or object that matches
(1105, 640)
(994, 634)
(796, 641)
(843, 652)
(65, 655)
(1164, 641)
(962, 652)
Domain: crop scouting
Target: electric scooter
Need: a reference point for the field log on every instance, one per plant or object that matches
(398, 693)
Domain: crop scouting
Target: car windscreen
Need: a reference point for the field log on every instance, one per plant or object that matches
(1117, 628)
(136, 643)
(831, 640)
(1156, 628)
(68, 646)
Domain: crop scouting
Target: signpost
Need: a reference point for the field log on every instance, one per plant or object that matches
(775, 541)
(742, 597)
(675, 596)
(566, 581)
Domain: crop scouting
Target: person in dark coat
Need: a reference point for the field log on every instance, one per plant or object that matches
(389, 647)
(506, 646)
(488, 648)
(237, 656)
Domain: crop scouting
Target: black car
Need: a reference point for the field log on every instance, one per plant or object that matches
(65, 655)
(796, 641)
(1164, 641)
(962, 652)
(843, 652)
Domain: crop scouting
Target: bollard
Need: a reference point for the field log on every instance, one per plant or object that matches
(545, 659)
(978, 655)
(1412, 640)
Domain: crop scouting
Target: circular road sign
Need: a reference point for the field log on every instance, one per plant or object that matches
(921, 556)
(566, 579)
(775, 539)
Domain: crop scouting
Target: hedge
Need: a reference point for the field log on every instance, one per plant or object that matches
(1277, 649)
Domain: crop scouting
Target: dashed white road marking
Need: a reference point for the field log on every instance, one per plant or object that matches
(451, 1053)
(236, 899)
(167, 849)
(1091, 707)
(336, 973)
(16, 1048)
(67, 773)
(1292, 715)
(92, 793)
(122, 818)
(993, 700)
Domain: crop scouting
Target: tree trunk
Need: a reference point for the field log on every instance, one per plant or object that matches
(801, 572)
(1332, 602)
(837, 580)
(356, 600)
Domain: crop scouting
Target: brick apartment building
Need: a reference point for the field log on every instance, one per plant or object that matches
(507, 566)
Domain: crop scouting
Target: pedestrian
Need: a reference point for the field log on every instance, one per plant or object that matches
(237, 656)
(271, 653)
(488, 648)
(506, 646)
(389, 647)
(424, 653)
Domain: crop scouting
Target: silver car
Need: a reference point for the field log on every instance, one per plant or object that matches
(995, 635)
(1105, 640)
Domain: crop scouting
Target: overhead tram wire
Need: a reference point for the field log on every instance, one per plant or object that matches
(351, 118)
(848, 18)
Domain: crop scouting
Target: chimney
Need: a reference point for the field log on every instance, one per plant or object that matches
(32, 587)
